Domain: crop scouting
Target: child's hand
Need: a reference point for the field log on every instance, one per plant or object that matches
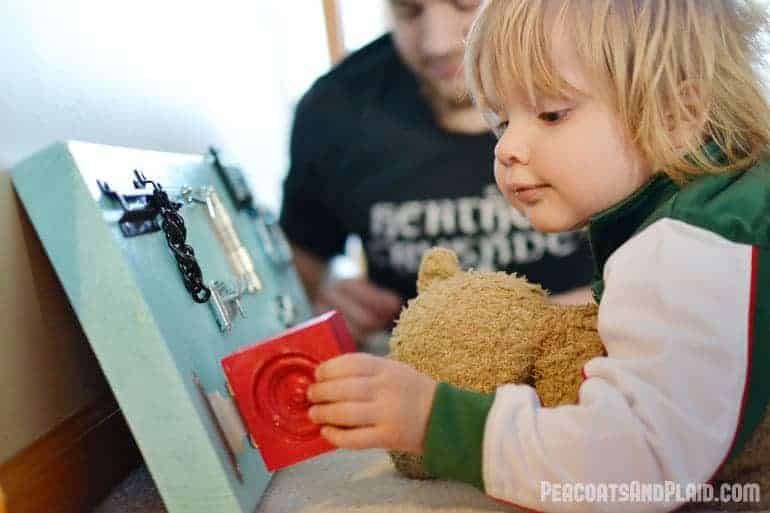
(367, 401)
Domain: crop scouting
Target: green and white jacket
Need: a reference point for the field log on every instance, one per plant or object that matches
(683, 279)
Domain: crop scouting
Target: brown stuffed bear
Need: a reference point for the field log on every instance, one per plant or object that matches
(480, 330)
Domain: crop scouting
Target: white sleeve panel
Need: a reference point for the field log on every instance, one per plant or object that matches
(664, 404)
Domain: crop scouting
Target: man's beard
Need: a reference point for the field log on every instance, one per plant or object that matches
(441, 100)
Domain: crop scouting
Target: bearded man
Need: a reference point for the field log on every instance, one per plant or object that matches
(388, 146)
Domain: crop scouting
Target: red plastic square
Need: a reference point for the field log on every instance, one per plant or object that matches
(269, 381)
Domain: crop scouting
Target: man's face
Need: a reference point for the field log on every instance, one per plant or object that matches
(429, 35)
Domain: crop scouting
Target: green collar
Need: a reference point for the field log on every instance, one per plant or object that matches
(609, 229)
(612, 227)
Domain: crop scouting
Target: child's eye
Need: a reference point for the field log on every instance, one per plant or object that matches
(555, 116)
(499, 129)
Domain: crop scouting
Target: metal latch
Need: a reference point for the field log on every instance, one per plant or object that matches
(139, 211)
(226, 304)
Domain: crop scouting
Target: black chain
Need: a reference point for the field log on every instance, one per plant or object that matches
(176, 235)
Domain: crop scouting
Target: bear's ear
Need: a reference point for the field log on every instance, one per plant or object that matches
(437, 264)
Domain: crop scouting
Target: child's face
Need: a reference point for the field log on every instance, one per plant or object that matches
(567, 158)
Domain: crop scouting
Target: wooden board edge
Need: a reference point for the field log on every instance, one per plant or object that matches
(74, 466)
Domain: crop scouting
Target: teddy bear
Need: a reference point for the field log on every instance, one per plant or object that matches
(479, 330)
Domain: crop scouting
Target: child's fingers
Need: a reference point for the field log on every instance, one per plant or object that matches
(348, 414)
(360, 438)
(347, 365)
(344, 389)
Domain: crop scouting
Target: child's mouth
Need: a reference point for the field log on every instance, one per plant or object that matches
(529, 194)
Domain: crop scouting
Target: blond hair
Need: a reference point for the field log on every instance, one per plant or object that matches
(651, 57)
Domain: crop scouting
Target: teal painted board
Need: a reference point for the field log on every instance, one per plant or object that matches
(159, 349)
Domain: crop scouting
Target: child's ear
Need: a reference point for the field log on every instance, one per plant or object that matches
(687, 114)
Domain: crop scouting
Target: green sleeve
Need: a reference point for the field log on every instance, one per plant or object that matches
(453, 447)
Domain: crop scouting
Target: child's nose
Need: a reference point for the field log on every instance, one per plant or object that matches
(511, 149)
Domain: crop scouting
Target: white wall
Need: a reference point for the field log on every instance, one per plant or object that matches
(362, 21)
(169, 75)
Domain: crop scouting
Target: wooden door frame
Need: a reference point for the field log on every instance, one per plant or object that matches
(335, 37)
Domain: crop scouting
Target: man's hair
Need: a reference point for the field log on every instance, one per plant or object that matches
(658, 62)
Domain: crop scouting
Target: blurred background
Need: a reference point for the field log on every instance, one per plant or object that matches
(171, 75)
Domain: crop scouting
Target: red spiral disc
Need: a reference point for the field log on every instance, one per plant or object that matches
(280, 395)
(269, 382)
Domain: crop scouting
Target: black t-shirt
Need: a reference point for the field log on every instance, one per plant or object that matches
(368, 158)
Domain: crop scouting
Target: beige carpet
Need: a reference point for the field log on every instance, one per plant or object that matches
(365, 482)
(336, 482)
